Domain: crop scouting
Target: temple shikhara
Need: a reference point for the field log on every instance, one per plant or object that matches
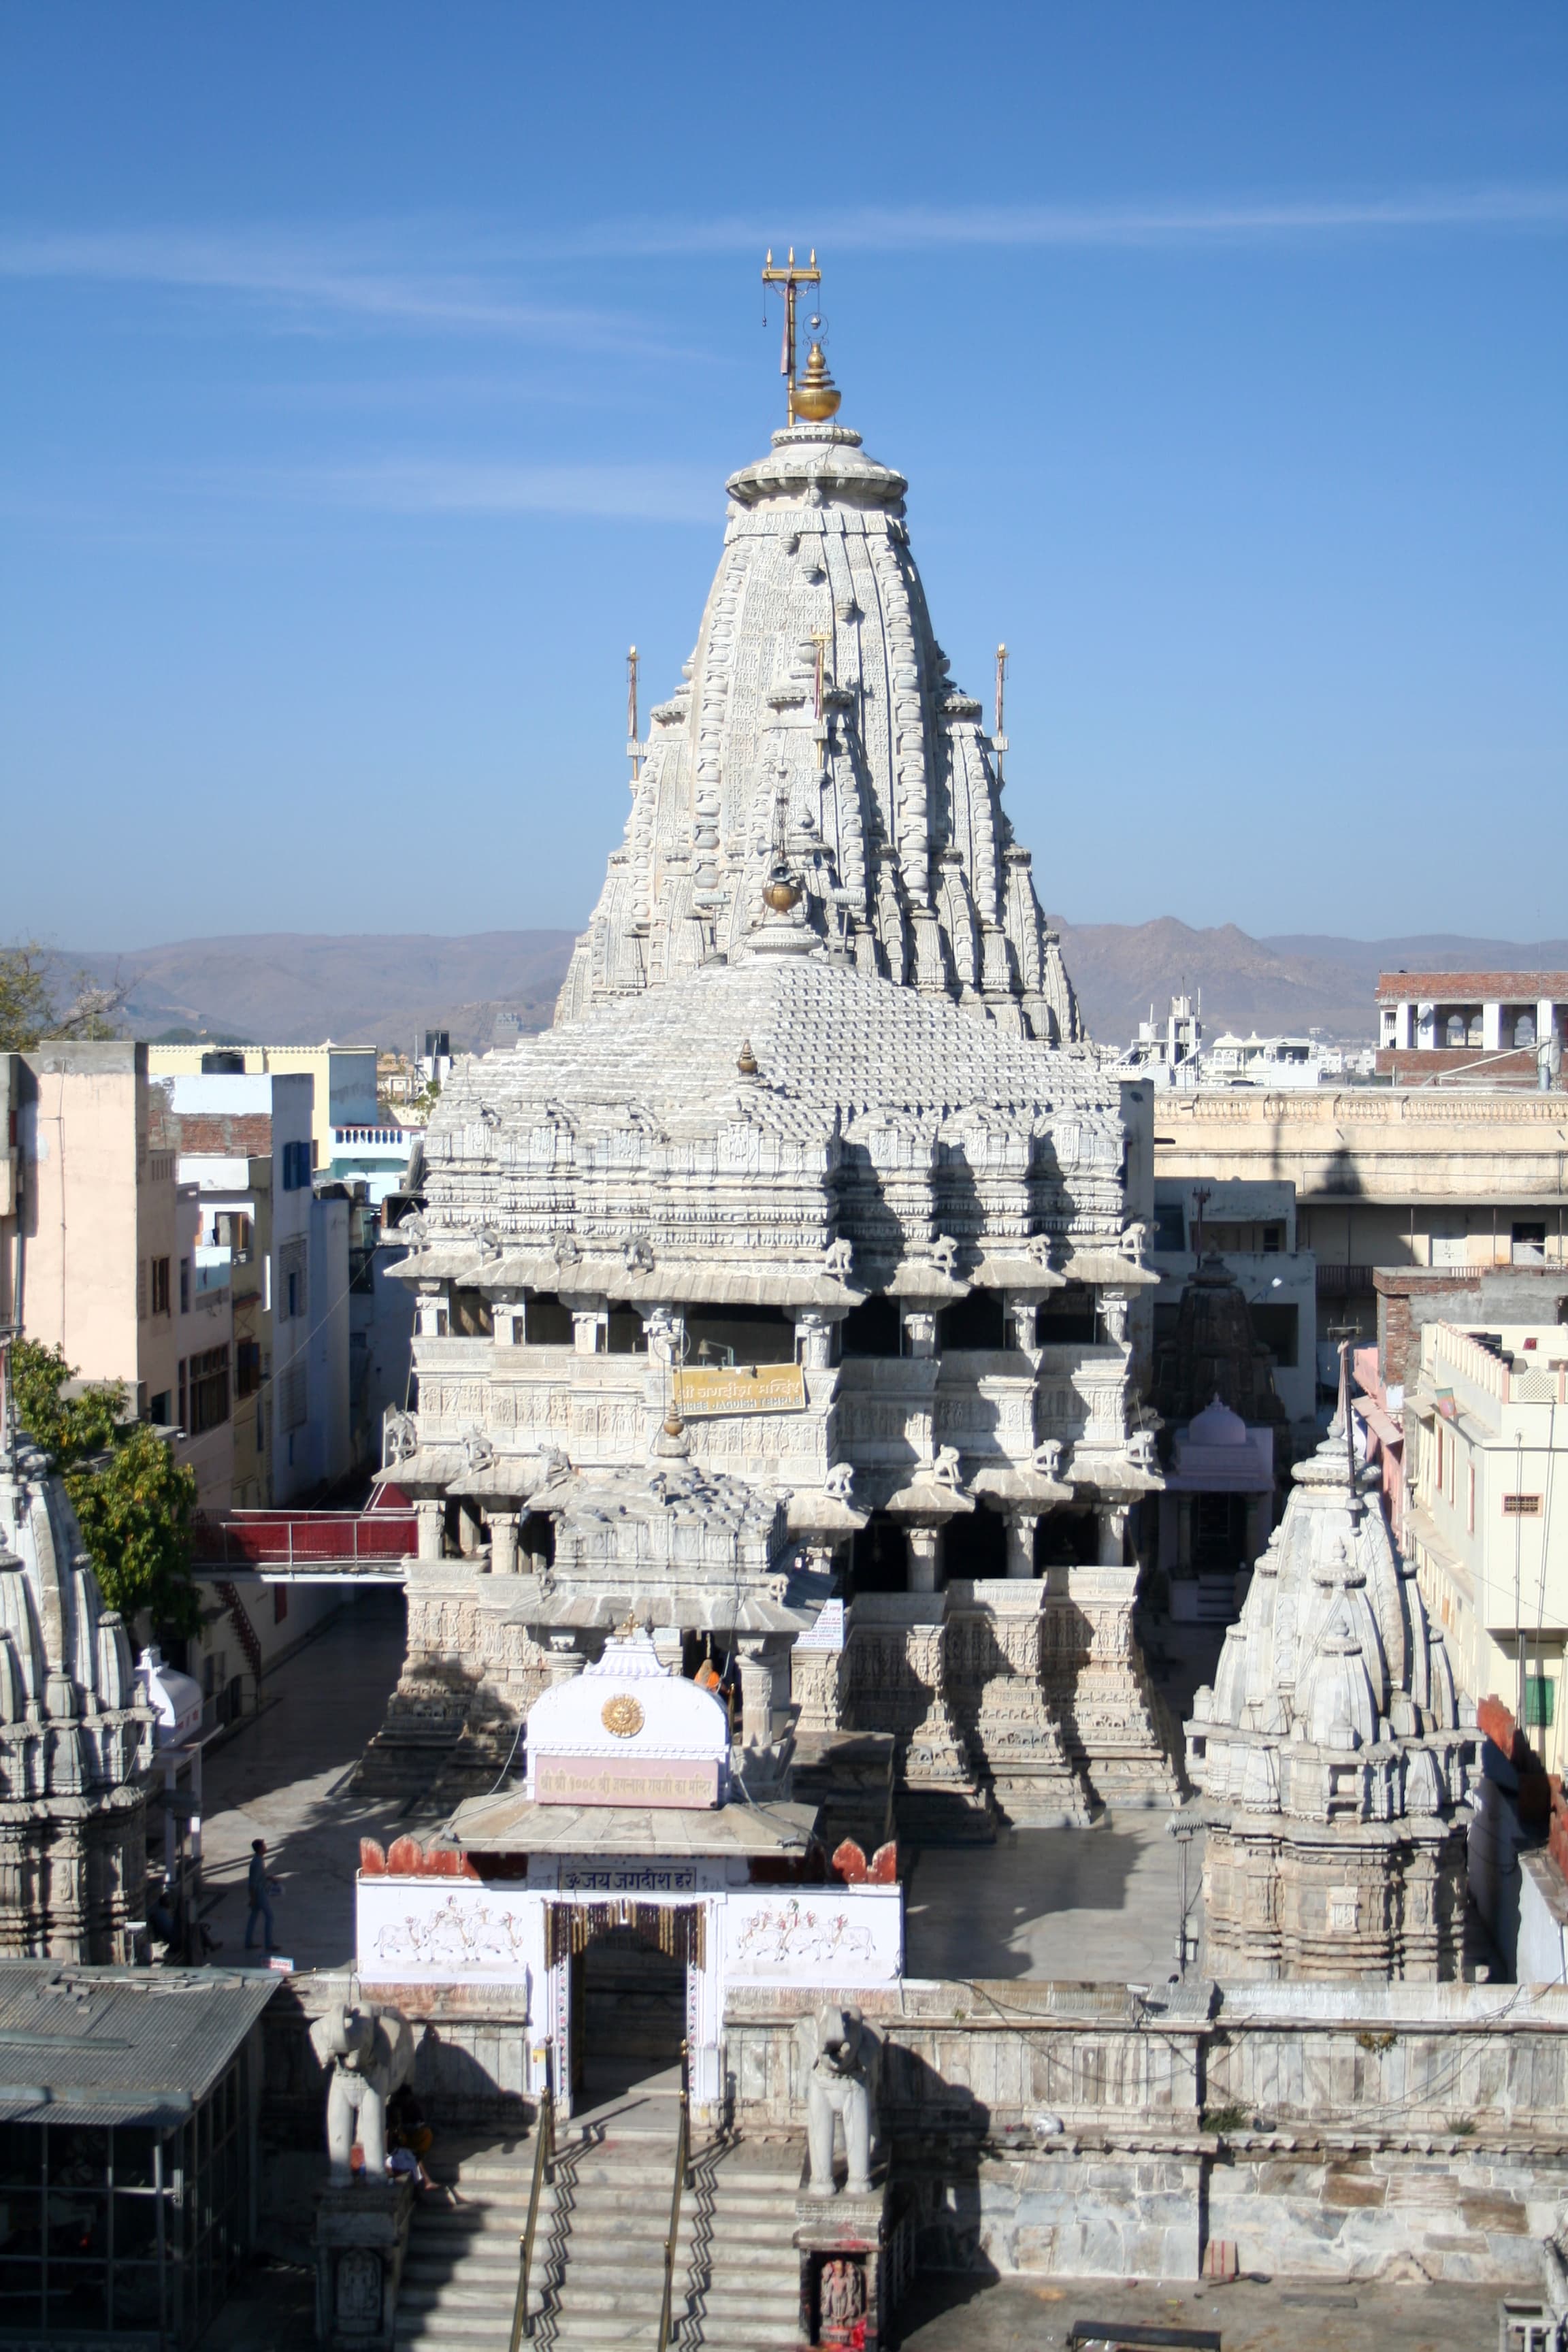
(784, 1296)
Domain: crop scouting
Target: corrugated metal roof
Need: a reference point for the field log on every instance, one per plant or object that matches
(119, 2046)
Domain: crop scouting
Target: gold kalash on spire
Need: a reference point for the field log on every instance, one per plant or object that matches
(815, 396)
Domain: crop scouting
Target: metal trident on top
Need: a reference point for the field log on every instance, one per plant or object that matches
(791, 276)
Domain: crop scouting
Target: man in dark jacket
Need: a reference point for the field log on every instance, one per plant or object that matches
(260, 1890)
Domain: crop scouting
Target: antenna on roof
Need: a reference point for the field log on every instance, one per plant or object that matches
(999, 734)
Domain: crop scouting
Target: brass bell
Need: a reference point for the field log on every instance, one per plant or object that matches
(816, 397)
(780, 893)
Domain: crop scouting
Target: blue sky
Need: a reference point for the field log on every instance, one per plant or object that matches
(370, 374)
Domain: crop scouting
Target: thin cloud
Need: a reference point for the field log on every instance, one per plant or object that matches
(318, 281)
(455, 487)
(313, 284)
(898, 229)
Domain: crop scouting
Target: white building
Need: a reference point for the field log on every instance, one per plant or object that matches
(1486, 1468)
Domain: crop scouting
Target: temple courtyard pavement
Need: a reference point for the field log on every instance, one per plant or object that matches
(1100, 1903)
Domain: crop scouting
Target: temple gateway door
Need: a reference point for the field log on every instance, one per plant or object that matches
(627, 1994)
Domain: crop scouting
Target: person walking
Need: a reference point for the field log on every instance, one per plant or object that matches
(260, 1890)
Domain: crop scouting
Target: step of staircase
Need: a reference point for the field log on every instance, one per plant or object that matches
(597, 2278)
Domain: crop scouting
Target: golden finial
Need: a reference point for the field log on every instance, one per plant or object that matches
(747, 1062)
(817, 396)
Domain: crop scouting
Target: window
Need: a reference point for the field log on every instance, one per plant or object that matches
(247, 1368)
(545, 1322)
(160, 1285)
(1280, 1330)
(209, 1391)
(472, 1316)
(873, 1328)
(1540, 1701)
(296, 1166)
(294, 1396)
(183, 1423)
(291, 1294)
(1529, 1243)
(1170, 1226)
(184, 1286)
(158, 1408)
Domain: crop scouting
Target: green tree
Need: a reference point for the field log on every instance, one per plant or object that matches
(135, 1514)
(67, 1429)
(29, 1010)
(134, 1500)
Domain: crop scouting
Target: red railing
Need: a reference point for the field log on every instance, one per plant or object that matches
(303, 1539)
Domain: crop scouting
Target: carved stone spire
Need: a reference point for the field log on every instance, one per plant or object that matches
(818, 715)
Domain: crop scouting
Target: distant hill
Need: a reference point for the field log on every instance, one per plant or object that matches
(291, 989)
(1296, 982)
(287, 989)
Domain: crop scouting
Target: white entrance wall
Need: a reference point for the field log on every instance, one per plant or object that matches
(455, 1931)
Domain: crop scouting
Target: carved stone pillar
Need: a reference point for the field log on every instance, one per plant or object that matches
(925, 1548)
(427, 1516)
(1021, 1526)
(507, 1320)
(1114, 1306)
(502, 1526)
(920, 1331)
(590, 1329)
(1111, 1521)
(432, 1314)
(814, 1338)
(565, 1659)
(756, 1695)
(665, 1327)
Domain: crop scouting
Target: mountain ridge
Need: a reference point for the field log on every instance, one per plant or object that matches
(291, 988)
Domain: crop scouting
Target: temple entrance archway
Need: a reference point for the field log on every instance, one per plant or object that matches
(627, 1994)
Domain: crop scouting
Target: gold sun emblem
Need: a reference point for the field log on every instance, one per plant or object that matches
(622, 1715)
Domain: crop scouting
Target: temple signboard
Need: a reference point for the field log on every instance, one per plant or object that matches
(682, 1780)
(740, 1388)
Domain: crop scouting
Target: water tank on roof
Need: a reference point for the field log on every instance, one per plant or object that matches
(174, 1698)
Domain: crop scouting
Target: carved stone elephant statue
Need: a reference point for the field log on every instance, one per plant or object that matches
(839, 2057)
(368, 2053)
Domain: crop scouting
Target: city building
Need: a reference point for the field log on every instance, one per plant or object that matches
(101, 1250)
(1255, 1061)
(1486, 1511)
(1252, 1226)
(1383, 1176)
(245, 1141)
(1474, 1028)
(344, 1079)
(811, 1189)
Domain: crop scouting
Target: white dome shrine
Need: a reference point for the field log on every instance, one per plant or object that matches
(627, 1710)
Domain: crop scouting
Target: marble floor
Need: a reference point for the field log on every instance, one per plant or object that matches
(1099, 1903)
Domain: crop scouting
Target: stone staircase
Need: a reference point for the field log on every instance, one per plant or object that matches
(598, 2265)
